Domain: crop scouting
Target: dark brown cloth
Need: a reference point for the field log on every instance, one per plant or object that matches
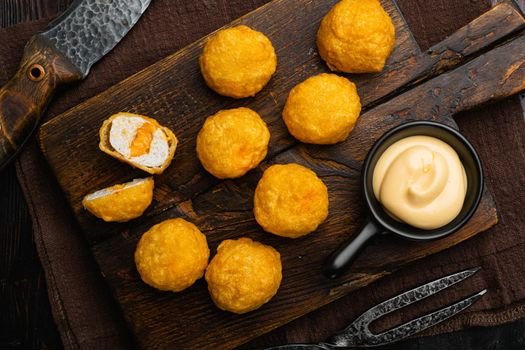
(87, 316)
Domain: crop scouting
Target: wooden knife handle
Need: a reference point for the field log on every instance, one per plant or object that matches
(24, 98)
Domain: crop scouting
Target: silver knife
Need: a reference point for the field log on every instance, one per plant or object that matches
(63, 53)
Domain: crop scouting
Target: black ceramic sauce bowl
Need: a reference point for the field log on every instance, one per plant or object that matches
(380, 222)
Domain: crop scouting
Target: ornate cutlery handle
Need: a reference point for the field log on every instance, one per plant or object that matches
(24, 98)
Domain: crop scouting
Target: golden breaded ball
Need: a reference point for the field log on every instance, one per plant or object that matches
(322, 109)
(243, 275)
(172, 255)
(232, 142)
(121, 202)
(290, 200)
(356, 36)
(238, 62)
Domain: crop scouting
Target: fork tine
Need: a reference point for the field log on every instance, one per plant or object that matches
(417, 294)
(419, 324)
(358, 333)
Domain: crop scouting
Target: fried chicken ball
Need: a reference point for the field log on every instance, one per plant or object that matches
(356, 36)
(232, 142)
(238, 62)
(172, 255)
(121, 202)
(290, 200)
(139, 141)
(322, 109)
(243, 275)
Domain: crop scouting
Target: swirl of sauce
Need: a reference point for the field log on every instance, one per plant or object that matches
(421, 181)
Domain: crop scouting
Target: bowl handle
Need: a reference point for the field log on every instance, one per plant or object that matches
(339, 261)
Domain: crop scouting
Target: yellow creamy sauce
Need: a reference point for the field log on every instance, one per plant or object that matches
(420, 180)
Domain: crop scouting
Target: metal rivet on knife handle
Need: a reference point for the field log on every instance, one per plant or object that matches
(36, 72)
(25, 96)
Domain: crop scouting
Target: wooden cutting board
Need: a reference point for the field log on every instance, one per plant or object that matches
(462, 72)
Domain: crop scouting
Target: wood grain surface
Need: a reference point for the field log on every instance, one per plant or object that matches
(26, 321)
(23, 99)
(182, 102)
(223, 210)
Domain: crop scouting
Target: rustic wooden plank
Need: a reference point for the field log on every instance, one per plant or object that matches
(482, 32)
(173, 91)
(47, 4)
(225, 212)
(73, 136)
(189, 320)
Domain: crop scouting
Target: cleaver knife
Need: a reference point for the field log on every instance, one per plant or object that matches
(64, 52)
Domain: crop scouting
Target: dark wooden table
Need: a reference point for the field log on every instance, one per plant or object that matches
(25, 316)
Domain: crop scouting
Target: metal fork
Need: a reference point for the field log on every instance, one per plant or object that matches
(357, 334)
